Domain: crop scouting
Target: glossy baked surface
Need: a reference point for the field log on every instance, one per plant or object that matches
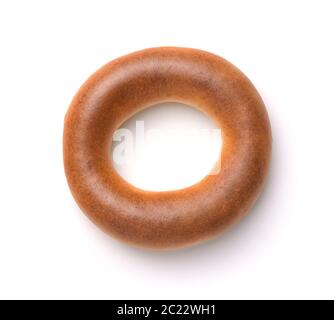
(172, 219)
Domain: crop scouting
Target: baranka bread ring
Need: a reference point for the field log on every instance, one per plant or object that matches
(170, 219)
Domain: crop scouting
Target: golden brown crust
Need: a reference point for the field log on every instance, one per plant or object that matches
(171, 219)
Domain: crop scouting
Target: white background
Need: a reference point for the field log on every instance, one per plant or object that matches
(282, 249)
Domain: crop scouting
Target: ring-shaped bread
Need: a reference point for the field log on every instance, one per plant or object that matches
(171, 219)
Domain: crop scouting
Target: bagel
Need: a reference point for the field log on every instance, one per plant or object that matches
(177, 218)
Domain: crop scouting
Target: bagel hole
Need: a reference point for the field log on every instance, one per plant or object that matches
(168, 146)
